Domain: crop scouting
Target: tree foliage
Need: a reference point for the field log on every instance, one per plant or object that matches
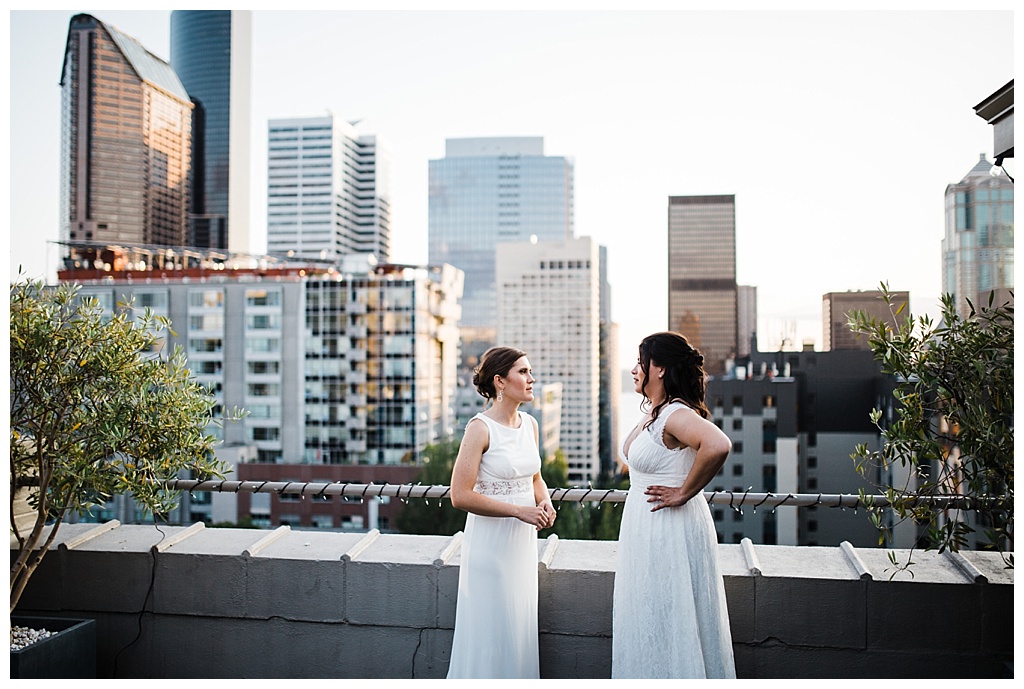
(585, 520)
(953, 428)
(437, 517)
(96, 411)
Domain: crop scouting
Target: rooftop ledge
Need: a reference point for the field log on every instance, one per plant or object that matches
(195, 602)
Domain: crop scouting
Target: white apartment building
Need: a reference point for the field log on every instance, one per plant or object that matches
(350, 365)
(327, 190)
(548, 306)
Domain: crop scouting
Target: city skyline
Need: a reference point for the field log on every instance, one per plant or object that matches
(823, 125)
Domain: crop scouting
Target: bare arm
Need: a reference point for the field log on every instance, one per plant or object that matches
(685, 428)
(467, 466)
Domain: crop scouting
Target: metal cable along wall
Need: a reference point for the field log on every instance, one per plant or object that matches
(600, 495)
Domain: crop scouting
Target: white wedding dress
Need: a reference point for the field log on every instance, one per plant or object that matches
(669, 616)
(496, 612)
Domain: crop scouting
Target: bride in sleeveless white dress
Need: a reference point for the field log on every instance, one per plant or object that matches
(669, 613)
(497, 480)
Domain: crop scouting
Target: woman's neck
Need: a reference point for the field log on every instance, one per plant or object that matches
(505, 413)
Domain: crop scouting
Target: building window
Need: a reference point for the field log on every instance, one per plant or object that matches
(262, 297)
(206, 298)
(769, 436)
(737, 424)
(737, 448)
(812, 483)
(768, 401)
(812, 462)
(718, 515)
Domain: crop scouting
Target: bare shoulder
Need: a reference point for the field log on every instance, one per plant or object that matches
(689, 428)
(476, 436)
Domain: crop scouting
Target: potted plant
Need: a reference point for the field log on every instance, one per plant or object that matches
(98, 408)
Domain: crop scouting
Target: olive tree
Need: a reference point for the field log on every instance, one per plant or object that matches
(96, 411)
(952, 430)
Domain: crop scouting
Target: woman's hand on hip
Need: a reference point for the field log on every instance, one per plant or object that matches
(665, 496)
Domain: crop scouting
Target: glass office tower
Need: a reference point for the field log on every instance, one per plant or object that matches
(977, 251)
(126, 128)
(490, 190)
(211, 53)
(702, 297)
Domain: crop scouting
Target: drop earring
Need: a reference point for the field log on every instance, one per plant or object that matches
(500, 393)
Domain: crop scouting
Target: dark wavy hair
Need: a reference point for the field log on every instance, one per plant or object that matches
(495, 361)
(684, 372)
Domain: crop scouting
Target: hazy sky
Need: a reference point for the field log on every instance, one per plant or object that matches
(837, 131)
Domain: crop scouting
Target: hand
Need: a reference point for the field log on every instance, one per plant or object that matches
(535, 516)
(549, 510)
(665, 496)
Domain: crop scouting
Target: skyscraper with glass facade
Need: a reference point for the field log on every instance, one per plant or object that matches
(977, 250)
(702, 297)
(211, 54)
(327, 190)
(490, 190)
(126, 137)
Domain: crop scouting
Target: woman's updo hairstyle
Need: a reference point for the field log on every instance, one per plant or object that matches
(496, 361)
(684, 371)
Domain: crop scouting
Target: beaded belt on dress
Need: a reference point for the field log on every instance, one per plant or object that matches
(516, 486)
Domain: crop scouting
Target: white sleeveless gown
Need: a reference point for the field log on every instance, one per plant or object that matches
(496, 612)
(669, 616)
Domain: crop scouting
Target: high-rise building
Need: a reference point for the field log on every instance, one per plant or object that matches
(548, 306)
(610, 383)
(352, 364)
(490, 190)
(349, 366)
(977, 250)
(327, 191)
(126, 137)
(835, 316)
(746, 320)
(211, 52)
(702, 296)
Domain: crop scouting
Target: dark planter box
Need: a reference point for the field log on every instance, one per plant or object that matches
(69, 654)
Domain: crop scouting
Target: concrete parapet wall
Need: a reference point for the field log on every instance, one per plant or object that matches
(191, 602)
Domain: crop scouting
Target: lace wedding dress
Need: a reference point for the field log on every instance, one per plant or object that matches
(669, 617)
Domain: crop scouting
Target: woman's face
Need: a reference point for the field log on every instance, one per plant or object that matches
(518, 384)
(639, 377)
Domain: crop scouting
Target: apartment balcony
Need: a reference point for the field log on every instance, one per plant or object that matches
(194, 602)
(357, 445)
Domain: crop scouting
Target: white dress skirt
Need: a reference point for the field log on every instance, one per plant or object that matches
(669, 616)
(496, 612)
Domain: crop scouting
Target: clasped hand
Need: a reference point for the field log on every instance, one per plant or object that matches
(542, 516)
(665, 496)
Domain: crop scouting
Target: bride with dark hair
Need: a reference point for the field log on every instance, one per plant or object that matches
(669, 616)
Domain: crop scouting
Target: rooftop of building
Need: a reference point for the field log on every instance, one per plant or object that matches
(195, 602)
